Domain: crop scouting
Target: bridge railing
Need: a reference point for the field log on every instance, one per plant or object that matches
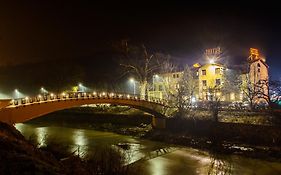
(41, 98)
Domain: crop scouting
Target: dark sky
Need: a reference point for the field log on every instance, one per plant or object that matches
(56, 30)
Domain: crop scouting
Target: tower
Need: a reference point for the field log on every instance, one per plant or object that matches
(258, 75)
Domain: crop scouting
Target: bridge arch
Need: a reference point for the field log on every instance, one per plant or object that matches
(26, 109)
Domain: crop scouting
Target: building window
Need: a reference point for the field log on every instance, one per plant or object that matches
(175, 75)
(218, 82)
(203, 72)
(204, 82)
(160, 87)
(217, 71)
(232, 96)
(259, 70)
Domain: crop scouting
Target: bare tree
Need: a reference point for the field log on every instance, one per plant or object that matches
(141, 64)
(231, 82)
(250, 93)
(181, 92)
(270, 91)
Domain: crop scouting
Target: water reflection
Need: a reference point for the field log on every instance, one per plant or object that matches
(42, 134)
(36, 134)
(178, 161)
(80, 143)
(219, 166)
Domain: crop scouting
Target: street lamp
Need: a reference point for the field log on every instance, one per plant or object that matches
(43, 90)
(155, 77)
(81, 87)
(17, 93)
(132, 80)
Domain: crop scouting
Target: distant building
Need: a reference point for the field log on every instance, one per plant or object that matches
(216, 80)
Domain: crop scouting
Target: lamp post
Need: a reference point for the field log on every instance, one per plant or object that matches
(43, 90)
(17, 93)
(80, 87)
(132, 80)
(155, 77)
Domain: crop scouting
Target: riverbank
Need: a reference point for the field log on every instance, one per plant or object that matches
(21, 156)
(257, 141)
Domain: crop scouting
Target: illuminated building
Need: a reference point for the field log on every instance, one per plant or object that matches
(258, 74)
(215, 80)
(164, 84)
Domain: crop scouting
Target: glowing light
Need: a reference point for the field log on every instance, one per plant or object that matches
(128, 96)
(26, 98)
(41, 135)
(43, 90)
(103, 93)
(196, 65)
(193, 99)
(39, 96)
(211, 61)
(52, 95)
(63, 94)
(132, 80)
(79, 138)
(232, 96)
(94, 93)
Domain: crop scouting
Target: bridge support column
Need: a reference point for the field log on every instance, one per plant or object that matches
(158, 122)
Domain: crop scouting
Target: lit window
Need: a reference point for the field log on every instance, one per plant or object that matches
(204, 82)
(218, 82)
(203, 72)
(217, 71)
(232, 96)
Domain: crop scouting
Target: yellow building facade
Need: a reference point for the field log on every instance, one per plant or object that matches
(213, 81)
(210, 81)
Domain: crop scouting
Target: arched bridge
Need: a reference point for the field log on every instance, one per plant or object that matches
(21, 110)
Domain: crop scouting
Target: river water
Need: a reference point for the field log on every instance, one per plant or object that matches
(160, 158)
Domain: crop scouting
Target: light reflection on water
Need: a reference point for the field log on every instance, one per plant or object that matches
(180, 161)
(41, 134)
(79, 138)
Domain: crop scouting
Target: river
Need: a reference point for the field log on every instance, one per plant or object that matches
(160, 158)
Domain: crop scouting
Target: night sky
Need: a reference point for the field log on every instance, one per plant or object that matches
(52, 31)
